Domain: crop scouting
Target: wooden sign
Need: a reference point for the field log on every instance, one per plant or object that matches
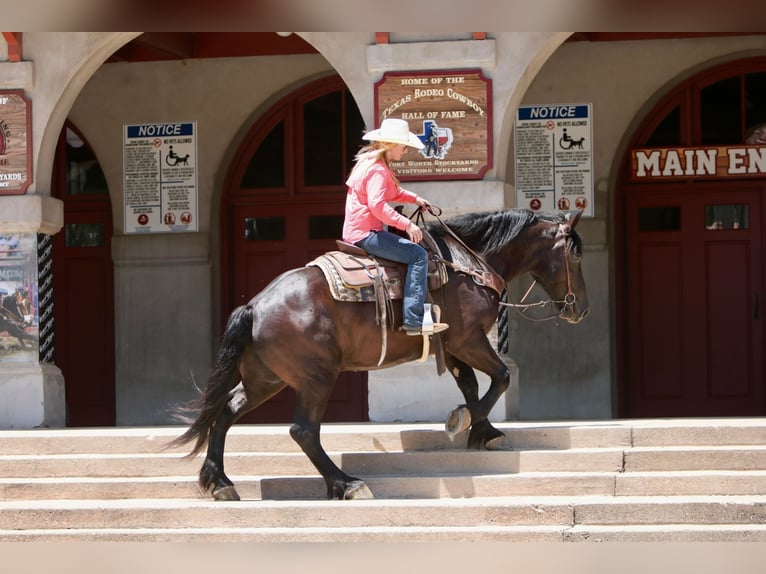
(702, 162)
(15, 142)
(451, 113)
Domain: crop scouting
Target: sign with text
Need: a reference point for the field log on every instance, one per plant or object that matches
(451, 113)
(705, 162)
(160, 171)
(554, 157)
(15, 142)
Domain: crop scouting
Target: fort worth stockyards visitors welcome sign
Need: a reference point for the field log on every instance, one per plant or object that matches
(451, 113)
(15, 142)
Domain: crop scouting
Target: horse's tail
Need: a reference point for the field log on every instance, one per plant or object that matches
(223, 378)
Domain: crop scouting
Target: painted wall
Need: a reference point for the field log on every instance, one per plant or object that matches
(568, 371)
(563, 371)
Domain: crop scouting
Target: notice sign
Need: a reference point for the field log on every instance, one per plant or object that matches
(554, 158)
(450, 111)
(160, 167)
(15, 142)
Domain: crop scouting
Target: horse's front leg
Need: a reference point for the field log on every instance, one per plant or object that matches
(474, 413)
(305, 431)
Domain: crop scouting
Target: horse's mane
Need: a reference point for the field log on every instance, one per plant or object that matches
(490, 232)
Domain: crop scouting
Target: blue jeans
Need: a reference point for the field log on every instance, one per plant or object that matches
(390, 246)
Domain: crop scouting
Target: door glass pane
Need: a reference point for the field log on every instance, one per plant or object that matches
(83, 172)
(84, 234)
(354, 131)
(731, 216)
(267, 166)
(325, 227)
(659, 218)
(323, 140)
(265, 228)
(721, 113)
(668, 132)
(755, 105)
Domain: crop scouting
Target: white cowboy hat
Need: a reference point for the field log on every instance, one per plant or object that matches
(394, 130)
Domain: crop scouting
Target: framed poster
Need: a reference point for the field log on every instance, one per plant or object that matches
(451, 113)
(160, 171)
(554, 157)
(19, 337)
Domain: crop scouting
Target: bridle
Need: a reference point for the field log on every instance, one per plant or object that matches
(488, 277)
(569, 298)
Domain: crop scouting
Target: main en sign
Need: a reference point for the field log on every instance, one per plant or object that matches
(697, 162)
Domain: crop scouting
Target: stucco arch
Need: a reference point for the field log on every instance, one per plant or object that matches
(81, 54)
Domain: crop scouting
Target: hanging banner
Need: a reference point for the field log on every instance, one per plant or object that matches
(15, 142)
(554, 157)
(451, 113)
(160, 171)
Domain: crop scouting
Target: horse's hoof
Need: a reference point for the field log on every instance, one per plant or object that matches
(226, 493)
(497, 443)
(458, 421)
(358, 491)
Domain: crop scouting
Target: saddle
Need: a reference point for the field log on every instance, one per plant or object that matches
(354, 275)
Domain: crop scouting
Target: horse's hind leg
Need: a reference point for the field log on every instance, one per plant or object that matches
(211, 475)
(305, 431)
(474, 413)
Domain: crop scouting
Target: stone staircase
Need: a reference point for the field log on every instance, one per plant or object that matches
(621, 480)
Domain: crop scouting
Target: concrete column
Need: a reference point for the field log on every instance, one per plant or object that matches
(31, 390)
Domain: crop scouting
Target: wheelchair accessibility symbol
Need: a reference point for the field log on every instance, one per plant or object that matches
(567, 142)
(173, 159)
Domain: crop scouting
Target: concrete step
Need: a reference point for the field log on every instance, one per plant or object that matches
(388, 437)
(360, 519)
(313, 487)
(414, 463)
(277, 464)
(680, 480)
(308, 487)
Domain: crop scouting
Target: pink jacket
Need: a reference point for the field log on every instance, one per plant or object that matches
(367, 203)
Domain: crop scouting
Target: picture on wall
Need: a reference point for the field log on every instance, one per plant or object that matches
(19, 337)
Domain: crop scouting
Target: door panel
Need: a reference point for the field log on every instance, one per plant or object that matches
(269, 240)
(83, 288)
(695, 340)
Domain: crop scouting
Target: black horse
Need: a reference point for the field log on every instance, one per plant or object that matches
(293, 333)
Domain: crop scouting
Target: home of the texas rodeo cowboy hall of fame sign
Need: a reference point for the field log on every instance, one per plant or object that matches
(15, 142)
(451, 113)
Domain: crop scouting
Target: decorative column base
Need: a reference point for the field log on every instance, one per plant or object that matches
(32, 396)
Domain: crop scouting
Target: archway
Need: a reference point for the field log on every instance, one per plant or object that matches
(690, 274)
(283, 205)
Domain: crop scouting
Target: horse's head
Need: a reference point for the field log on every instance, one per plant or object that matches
(558, 268)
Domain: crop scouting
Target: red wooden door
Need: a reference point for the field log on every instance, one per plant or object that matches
(284, 205)
(83, 284)
(270, 239)
(695, 282)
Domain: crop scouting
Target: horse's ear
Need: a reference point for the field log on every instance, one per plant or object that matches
(573, 217)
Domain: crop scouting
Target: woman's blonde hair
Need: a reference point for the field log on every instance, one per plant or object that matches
(370, 154)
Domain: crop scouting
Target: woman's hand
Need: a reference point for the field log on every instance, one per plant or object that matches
(414, 233)
(422, 203)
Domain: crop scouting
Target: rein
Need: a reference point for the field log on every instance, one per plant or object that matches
(569, 298)
(486, 277)
(490, 278)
